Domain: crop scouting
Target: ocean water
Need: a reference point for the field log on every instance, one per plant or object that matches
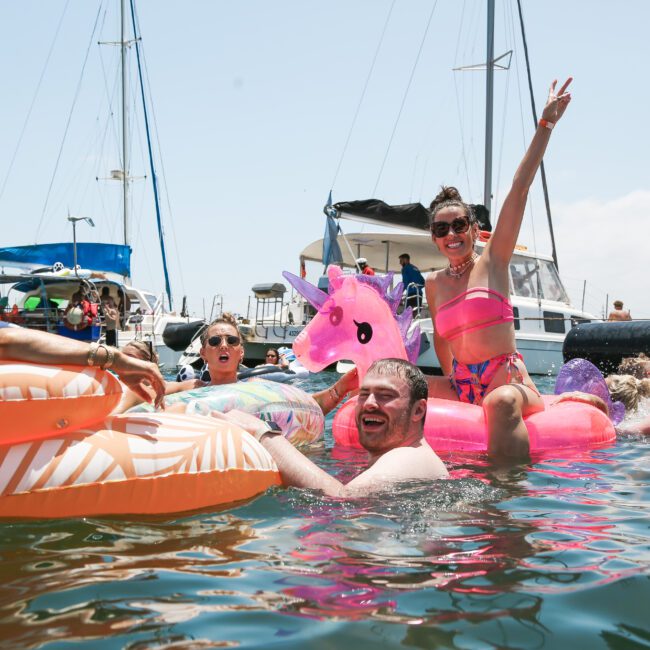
(553, 554)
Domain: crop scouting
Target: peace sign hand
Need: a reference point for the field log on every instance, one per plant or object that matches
(556, 103)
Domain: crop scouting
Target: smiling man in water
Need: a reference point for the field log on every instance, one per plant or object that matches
(389, 414)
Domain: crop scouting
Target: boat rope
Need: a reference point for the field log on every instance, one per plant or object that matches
(406, 92)
(67, 126)
(363, 94)
(532, 101)
(161, 234)
(31, 106)
(163, 174)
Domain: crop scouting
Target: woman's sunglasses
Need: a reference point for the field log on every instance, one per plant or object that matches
(441, 228)
(232, 341)
(271, 356)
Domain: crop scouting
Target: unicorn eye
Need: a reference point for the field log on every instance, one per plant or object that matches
(364, 332)
(336, 315)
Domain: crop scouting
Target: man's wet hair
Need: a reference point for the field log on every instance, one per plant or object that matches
(418, 387)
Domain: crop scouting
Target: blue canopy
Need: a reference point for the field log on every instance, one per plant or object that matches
(110, 258)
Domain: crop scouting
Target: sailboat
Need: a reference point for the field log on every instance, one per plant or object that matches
(543, 311)
(38, 295)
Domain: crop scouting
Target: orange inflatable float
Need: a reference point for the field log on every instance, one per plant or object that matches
(38, 401)
(140, 464)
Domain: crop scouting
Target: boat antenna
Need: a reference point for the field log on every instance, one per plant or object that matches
(161, 235)
(542, 169)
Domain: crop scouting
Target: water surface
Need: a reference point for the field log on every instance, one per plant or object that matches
(553, 554)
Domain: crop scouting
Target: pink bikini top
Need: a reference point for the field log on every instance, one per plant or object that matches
(462, 315)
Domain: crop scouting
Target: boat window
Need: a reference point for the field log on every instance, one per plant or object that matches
(554, 322)
(550, 283)
(523, 274)
(535, 278)
(515, 312)
(151, 300)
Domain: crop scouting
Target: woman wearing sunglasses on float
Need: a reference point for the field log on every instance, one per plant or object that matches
(222, 350)
(474, 335)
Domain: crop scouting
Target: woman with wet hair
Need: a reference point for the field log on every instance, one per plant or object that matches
(474, 334)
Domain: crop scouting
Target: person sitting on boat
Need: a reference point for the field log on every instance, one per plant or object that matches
(413, 283)
(618, 313)
(21, 344)
(362, 263)
(223, 351)
(389, 414)
(474, 334)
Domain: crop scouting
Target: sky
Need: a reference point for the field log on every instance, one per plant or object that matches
(260, 108)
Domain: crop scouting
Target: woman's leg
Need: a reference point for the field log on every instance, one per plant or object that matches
(505, 405)
(505, 408)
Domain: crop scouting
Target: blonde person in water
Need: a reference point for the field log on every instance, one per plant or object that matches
(474, 333)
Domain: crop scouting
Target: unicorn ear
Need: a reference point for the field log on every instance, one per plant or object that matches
(312, 294)
(335, 276)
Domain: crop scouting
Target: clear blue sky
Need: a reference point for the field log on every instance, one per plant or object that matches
(253, 103)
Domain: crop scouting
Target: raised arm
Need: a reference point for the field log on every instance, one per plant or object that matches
(502, 243)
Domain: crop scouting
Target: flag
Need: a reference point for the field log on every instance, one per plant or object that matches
(331, 249)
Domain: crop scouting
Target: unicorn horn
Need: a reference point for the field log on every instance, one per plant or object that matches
(312, 294)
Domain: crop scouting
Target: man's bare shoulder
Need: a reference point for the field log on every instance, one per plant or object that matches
(411, 463)
(400, 464)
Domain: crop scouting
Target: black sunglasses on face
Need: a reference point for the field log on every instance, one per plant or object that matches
(272, 356)
(232, 341)
(458, 225)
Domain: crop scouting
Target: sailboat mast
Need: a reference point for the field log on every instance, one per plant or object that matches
(125, 129)
(489, 107)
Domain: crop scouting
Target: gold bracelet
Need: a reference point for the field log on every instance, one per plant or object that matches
(110, 357)
(92, 353)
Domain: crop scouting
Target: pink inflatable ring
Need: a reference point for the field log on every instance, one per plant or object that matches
(456, 426)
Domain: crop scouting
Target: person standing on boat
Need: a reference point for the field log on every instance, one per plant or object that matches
(474, 335)
(111, 316)
(618, 313)
(389, 413)
(362, 263)
(413, 283)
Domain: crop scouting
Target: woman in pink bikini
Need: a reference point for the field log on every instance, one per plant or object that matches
(474, 335)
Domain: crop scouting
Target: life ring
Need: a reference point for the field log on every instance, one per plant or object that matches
(38, 401)
(81, 315)
(144, 464)
(456, 426)
(294, 411)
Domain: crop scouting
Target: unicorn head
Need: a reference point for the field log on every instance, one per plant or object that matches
(357, 320)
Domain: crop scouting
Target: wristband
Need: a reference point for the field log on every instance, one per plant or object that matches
(269, 428)
(546, 124)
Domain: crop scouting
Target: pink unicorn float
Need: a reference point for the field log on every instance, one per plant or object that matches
(357, 320)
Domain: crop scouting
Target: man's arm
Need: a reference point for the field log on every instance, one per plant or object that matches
(295, 468)
(298, 471)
